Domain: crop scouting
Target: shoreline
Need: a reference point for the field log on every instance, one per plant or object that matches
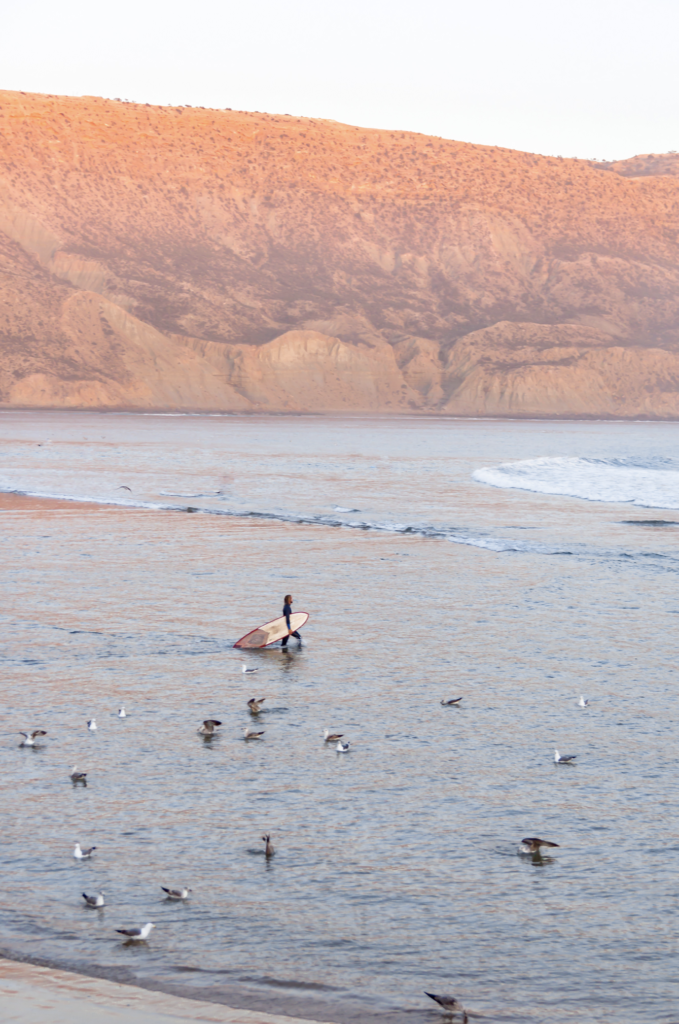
(36, 994)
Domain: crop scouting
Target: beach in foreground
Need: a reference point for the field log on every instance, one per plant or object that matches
(41, 995)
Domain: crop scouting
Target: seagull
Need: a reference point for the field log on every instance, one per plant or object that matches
(94, 901)
(563, 758)
(342, 748)
(252, 734)
(92, 725)
(77, 776)
(332, 737)
(137, 934)
(449, 704)
(122, 713)
(208, 727)
(533, 845)
(29, 738)
(83, 854)
(246, 668)
(450, 1004)
(177, 894)
(124, 487)
(582, 703)
(255, 704)
(268, 848)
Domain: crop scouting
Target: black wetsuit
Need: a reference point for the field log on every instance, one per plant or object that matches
(287, 610)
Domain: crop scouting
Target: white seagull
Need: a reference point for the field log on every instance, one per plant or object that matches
(332, 737)
(246, 668)
(342, 748)
(29, 738)
(77, 776)
(137, 934)
(582, 703)
(122, 713)
(92, 725)
(563, 758)
(177, 894)
(94, 901)
(80, 854)
(252, 734)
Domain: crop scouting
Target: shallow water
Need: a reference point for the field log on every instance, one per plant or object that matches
(395, 868)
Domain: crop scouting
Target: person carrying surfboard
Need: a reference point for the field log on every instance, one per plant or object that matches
(287, 612)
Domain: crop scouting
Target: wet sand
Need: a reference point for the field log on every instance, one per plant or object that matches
(41, 995)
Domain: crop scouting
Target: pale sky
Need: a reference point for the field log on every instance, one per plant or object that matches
(587, 78)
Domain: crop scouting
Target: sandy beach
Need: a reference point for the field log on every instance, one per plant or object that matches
(41, 995)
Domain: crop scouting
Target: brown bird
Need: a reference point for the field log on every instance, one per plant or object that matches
(255, 705)
(29, 738)
(533, 845)
(332, 737)
(268, 849)
(208, 727)
(252, 734)
(449, 1004)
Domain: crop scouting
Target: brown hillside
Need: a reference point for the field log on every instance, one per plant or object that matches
(158, 257)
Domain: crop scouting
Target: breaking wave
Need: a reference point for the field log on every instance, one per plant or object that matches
(653, 483)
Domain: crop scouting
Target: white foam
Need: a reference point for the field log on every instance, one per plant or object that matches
(614, 480)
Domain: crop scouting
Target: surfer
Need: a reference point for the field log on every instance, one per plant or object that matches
(287, 611)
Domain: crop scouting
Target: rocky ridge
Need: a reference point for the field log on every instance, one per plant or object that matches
(178, 258)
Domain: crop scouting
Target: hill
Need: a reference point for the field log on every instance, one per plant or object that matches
(179, 258)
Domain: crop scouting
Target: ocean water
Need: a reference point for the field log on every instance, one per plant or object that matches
(517, 565)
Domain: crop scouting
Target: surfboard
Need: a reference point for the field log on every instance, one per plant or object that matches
(272, 631)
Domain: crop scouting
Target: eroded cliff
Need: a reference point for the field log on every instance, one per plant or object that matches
(177, 258)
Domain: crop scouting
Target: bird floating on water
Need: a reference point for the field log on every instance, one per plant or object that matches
(77, 776)
(94, 901)
(450, 1004)
(342, 748)
(122, 713)
(532, 845)
(177, 894)
(81, 854)
(137, 934)
(452, 702)
(582, 703)
(332, 737)
(92, 725)
(268, 846)
(246, 668)
(209, 726)
(563, 758)
(255, 704)
(252, 734)
(29, 738)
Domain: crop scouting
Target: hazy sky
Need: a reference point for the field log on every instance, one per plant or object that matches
(588, 78)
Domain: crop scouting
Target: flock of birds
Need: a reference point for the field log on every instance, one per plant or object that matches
(531, 846)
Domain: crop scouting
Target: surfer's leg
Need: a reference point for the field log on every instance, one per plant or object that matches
(284, 641)
(297, 637)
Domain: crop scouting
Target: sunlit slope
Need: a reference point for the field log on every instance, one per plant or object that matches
(158, 257)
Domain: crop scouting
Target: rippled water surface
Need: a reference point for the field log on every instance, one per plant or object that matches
(396, 868)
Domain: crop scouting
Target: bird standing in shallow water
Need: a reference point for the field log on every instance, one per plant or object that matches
(208, 727)
(94, 901)
(29, 738)
(449, 1004)
(268, 847)
(137, 934)
(177, 894)
(563, 758)
(81, 854)
(252, 734)
(533, 845)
